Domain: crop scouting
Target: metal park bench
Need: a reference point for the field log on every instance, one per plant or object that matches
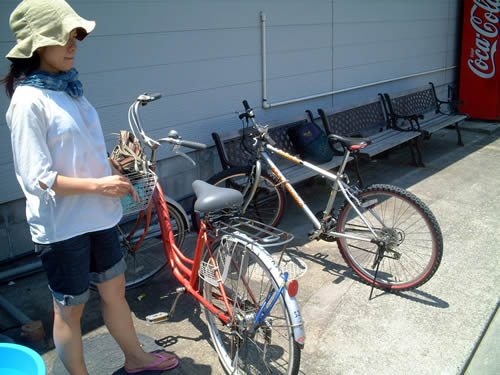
(370, 121)
(424, 112)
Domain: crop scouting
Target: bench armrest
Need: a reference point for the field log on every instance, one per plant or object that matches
(453, 104)
(324, 120)
(412, 119)
(394, 117)
(220, 151)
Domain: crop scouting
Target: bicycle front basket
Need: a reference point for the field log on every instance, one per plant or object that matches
(145, 184)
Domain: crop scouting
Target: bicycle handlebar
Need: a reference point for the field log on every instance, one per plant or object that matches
(248, 111)
(261, 129)
(182, 142)
(137, 129)
(147, 98)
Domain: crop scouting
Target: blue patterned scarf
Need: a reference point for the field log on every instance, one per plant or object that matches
(63, 81)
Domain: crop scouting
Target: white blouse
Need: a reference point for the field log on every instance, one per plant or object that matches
(53, 133)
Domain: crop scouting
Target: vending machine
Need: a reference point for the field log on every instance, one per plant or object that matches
(479, 93)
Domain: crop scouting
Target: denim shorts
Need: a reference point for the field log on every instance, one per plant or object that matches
(72, 264)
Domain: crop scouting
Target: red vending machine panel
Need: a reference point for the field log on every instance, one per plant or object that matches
(479, 68)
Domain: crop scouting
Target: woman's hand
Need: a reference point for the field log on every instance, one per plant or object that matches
(116, 186)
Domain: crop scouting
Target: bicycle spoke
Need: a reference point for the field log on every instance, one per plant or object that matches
(410, 239)
(267, 348)
(267, 203)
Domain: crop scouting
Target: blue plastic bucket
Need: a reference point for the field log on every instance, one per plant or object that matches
(20, 360)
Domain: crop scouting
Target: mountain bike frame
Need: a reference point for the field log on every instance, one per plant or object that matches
(263, 142)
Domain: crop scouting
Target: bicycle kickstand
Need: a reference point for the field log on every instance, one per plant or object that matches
(375, 277)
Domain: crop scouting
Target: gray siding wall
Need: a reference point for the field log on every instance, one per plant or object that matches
(205, 58)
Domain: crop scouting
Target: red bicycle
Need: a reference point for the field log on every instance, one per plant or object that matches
(250, 307)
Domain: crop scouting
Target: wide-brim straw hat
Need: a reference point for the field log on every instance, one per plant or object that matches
(41, 23)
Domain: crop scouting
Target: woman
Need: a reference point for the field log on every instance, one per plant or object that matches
(61, 164)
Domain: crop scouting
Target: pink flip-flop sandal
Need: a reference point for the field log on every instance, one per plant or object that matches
(154, 366)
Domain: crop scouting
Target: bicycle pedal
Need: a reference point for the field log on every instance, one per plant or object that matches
(157, 318)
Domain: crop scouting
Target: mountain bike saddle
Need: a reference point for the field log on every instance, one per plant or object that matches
(213, 198)
(350, 142)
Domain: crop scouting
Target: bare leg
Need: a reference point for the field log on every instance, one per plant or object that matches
(118, 318)
(68, 337)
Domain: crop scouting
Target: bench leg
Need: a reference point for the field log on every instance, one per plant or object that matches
(459, 134)
(358, 172)
(419, 153)
(410, 146)
(417, 161)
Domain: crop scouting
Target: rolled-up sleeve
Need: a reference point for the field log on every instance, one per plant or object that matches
(32, 158)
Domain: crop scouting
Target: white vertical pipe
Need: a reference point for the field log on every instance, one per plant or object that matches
(264, 58)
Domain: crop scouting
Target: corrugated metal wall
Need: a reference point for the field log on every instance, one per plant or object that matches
(205, 57)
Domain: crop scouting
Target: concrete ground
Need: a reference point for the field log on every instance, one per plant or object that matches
(447, 326)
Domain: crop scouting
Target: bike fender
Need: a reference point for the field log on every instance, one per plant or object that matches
(291, 302)
(185, 216)
(296, 319)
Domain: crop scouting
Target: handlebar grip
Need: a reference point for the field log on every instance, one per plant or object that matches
(248, 111)
(194, 145)
(148, 98)
(155, 96)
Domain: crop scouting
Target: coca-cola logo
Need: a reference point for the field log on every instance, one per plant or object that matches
(484, 19)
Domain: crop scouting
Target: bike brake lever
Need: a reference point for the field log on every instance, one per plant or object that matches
(175, 150)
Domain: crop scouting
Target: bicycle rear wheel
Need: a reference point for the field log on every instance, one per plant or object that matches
(268, 203)
(150, 257)
(243, 346)
(415, 242)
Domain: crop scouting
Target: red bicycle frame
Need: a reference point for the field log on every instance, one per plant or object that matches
(184, 268)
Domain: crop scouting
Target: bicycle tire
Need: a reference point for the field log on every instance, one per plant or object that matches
(417, 243)
(269, 201)
(149, 258)
(271, 348)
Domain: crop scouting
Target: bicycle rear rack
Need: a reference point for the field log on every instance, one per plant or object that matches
(260, 233)
(251, 232)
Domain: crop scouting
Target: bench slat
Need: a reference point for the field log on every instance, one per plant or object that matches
(390, 139)
(440, 121)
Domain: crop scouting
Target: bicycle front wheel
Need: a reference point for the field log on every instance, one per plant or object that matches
(244, 345)
(414, 243)
(150, 257)
(267, 204)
